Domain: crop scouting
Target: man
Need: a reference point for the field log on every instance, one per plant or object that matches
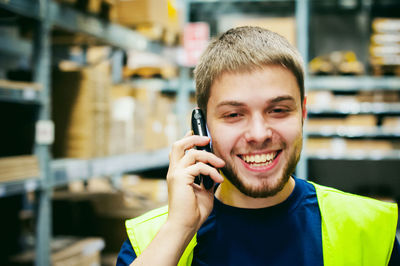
(250, 85)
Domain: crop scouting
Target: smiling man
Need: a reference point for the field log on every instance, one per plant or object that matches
(250, 85)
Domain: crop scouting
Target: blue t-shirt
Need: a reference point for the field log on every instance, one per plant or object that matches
(285, 234)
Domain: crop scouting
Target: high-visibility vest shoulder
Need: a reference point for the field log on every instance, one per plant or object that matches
(355, 230)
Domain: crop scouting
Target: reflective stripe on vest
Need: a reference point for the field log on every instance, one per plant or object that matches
(355, 230)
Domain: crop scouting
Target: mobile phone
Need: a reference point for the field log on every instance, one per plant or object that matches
(199, 127)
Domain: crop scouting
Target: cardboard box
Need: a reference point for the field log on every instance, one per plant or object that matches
(81, 109)
(122, 120)
(361, 121)
(386, 25)
(19, 167)
(324, 124)
(134, 12)
(392, 122)
(156, 122)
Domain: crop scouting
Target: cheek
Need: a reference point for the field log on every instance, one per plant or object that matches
(223, 138)
(290, 130)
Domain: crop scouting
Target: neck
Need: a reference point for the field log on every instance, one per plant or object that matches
(230, 195)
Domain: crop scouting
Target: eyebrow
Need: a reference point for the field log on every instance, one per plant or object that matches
(273, 100)
(282, 98)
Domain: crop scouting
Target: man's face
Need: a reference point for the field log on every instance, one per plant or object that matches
(256, 120)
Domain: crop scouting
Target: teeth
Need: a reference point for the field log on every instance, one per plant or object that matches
(262, 159)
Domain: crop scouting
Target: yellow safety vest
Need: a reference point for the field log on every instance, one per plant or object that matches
(355, 230)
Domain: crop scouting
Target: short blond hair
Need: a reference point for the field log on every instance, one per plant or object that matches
(245, 49)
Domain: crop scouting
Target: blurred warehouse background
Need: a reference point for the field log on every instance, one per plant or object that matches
(94, 92)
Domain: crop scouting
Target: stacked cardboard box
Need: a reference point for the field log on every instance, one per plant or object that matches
(348, 147)
(81, 103)
(122, 133)
(157, 19)
(385, 46)
(156, 123)
(142, 119)
(18, 167)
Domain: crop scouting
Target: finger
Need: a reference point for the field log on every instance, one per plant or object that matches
(204, 169)
(193, 156)
(179, 147)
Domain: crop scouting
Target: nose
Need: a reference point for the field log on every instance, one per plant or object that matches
(258, 130)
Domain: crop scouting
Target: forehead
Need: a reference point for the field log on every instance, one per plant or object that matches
(252, 87)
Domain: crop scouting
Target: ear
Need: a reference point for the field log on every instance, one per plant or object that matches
(304, 108)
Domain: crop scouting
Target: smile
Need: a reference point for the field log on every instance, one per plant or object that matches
(259, 160)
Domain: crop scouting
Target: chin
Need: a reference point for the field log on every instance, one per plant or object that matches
(260, 188)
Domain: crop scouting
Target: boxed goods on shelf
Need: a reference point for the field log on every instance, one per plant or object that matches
(349, 147)
(69, 251)
(19, 167)
(142, 119)
(133, 12)
(101, 8)
(122, 133)
(336, 63)
(385, 46)
(361, 120)
(156, 122)
(149, 65)
(378, 96)
(324, 125)
(81, 103)
(391, 122)
(156, 19)
(102, 213)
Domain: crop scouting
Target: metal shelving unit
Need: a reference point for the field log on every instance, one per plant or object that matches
(67, 170)
(377, 156)
(49, 14)
(19, 187)
(357, 108)
(355, 132)
(75, 21)
(20, 92)
(350, 83)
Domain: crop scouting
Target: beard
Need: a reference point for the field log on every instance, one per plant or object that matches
(265, 189)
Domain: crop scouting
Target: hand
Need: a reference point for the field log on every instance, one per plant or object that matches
(189, 203)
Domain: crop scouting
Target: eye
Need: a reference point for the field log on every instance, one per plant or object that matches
(232, 115)
(280, 110)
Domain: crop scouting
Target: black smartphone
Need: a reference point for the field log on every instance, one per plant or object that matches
(199, 127)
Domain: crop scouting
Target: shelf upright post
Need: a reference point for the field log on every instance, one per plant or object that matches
(41, 74)
(302, 22)
(183, 95)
